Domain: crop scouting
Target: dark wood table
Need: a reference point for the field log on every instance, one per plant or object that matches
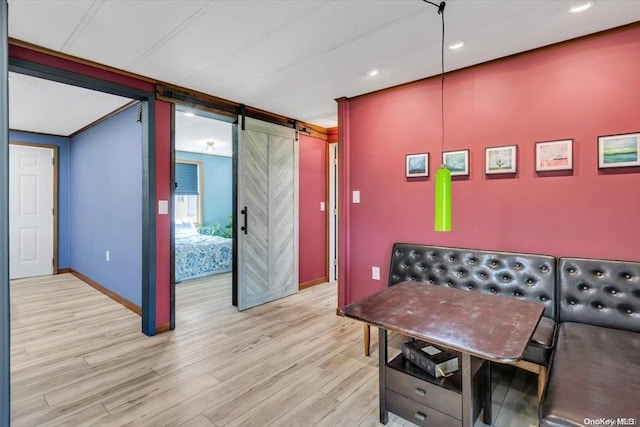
(479, 326)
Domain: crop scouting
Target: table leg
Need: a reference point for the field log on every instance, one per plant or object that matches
(486, 393)
(467, 391)
(382, 366)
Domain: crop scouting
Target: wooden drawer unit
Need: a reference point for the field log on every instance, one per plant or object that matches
(417, 413)
(424, 400)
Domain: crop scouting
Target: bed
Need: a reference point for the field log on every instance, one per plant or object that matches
(199, 255)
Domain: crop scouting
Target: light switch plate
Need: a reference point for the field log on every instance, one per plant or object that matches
(375, 273)
(356, 196)
(322, 206)
(163, 207)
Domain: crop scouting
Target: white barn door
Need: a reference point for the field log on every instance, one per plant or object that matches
(30, 211)
(267, 213)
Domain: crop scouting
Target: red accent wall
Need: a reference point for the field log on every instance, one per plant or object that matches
(579, 89)
(313, 221)
(163, 222)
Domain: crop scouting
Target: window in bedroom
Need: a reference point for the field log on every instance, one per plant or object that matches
(188, 195)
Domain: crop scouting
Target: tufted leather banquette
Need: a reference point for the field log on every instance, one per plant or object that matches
(517, 275)
(595, 370)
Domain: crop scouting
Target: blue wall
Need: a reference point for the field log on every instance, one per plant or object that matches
(106, 204)
(64, 251)
(217, 186)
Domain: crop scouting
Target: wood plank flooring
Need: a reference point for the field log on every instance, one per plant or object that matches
(79, 359)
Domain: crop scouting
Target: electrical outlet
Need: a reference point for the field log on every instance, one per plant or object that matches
(106, 255)
(375, 273)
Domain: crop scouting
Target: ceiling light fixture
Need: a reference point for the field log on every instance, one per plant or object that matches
(372, 73)
(443, 176)
(457, 44)
(188, 114)
(210, 146)
(582, 6)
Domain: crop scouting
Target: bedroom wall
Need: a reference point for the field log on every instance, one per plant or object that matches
(62, 143)
(217, 182)
(106, 201)
(579, 89)
(313, 221)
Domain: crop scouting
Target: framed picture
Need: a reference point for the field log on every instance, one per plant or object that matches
(417, 165)
(457, 162)
(554, 155)
(500, 159)
(616, 151)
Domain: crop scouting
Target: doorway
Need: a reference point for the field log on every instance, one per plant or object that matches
(202, 200)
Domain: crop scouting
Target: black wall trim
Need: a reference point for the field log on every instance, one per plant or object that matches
(172, 220)
(5, 329)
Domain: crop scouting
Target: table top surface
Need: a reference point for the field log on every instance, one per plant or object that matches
(492, 327)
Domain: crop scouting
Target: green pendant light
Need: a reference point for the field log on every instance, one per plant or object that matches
(443, 199)
(443, 176)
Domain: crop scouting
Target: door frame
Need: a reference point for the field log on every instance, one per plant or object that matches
(147, 100)
(54, 148)
(332, 212)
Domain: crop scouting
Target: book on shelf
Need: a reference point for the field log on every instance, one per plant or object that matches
(430, 358)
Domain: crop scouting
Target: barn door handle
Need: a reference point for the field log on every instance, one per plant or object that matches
(244, 212)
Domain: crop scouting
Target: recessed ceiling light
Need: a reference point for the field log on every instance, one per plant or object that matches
(581, 6)
(456, 44)
(188, 114)
(373, 72)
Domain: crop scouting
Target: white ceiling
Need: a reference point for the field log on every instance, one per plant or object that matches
(193, 133)
(295, 57)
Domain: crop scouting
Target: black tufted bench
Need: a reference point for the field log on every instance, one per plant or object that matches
(517, 275)
(595, 369)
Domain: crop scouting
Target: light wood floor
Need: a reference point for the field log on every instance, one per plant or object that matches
(79, 359)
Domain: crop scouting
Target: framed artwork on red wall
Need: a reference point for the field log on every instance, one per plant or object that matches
(616, 151)
(417, 165)
(554, 155)
(501, 159)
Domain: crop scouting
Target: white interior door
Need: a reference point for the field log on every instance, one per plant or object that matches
(30, 211)
(268, 213)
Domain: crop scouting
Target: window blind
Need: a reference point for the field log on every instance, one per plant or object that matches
(186, 179)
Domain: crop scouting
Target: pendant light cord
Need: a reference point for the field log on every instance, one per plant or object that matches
(441, 7)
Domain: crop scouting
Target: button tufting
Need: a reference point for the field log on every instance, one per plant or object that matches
(613, 292)
(544, 268)
(599, 273)
(629, 311)
(505, 278)
(543, 298)
(517, 266)
(472, 261)
(493, 290)
(599, 306)
(572, 271)
(451, 259)
(627, 276)
(572, 302)
(430, 281)
(584, 288)
(413, 279)
(518, 294)
(470, 286)
(460, 273)
(530, 281)
(493, 263)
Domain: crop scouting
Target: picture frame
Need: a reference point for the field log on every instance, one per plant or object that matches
(554, 155)
(618, 151)
(500, 160)
(457, 162)
(417, 165)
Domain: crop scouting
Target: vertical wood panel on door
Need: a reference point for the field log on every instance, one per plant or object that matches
(268, 206)
(30, 211)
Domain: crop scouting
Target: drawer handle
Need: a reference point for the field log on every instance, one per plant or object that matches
(419, 415)
(420, 392)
